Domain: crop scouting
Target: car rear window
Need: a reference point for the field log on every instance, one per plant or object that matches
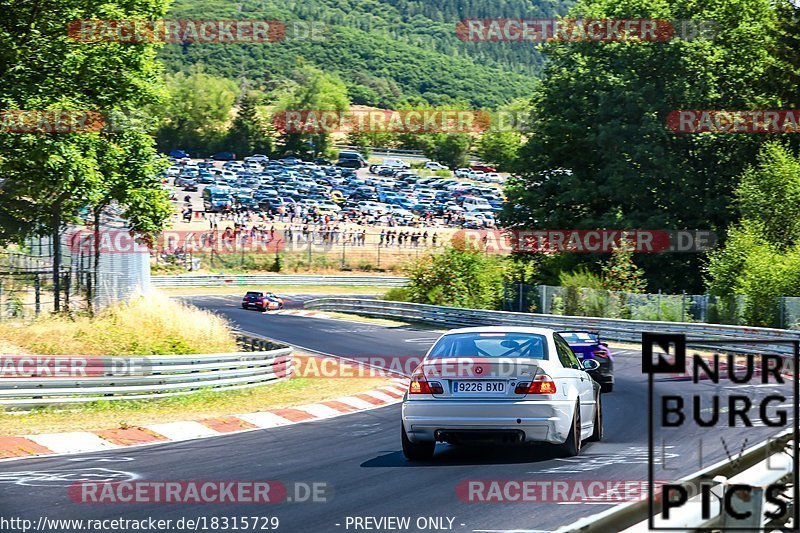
(578, 336)
(253, 294)
(526, 345)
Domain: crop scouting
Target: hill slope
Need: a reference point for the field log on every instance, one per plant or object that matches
(386, 51)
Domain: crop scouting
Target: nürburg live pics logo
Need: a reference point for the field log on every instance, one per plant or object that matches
(722, 432)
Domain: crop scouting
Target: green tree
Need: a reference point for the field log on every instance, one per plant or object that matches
(449, 149)
(250, 134)
(51, 178)
(768, 195)
(761, 256)
(500, 148)
(459, 276)
(502, 142)
(196, 113)
(620, 273)
(316, 91)
(599, 154)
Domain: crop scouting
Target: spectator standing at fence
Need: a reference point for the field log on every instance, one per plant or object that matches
(382, 237)
(434, 238)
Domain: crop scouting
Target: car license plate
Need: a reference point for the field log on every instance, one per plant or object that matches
(479, 387)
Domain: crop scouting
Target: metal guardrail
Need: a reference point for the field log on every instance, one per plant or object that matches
(260, 361)
(763, 464)
(212, 280)
(610, 328)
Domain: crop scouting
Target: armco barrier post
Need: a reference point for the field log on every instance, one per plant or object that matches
(683, 306)
(37, 290)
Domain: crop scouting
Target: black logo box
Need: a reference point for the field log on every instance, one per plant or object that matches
(674, 361)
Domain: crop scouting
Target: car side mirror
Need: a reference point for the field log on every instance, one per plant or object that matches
(590, 365)
(603, 344)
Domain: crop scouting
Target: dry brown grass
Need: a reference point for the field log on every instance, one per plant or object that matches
(147, 325)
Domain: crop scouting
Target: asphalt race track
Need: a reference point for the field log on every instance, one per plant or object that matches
(358, 456)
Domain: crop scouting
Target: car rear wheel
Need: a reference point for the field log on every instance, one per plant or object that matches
(597, 432)
(417, 451)
(607, 387)
(572, 446)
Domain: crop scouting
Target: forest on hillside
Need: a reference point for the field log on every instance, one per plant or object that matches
(388, 52)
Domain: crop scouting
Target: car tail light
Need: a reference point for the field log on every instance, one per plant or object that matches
(420, 385)
(541, 384)
(601, 353)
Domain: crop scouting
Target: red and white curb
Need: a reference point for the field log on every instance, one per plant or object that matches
(103, 440)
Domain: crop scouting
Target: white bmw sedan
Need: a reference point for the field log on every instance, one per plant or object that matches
(501, 384)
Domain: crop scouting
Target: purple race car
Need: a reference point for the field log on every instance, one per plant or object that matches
(587, 345)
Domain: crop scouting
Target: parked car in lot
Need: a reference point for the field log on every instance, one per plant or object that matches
(501, 385)
(190, 185)
(217, 199)
(224, 156)
(483, 168)
(276, 187)
(463, 172)
(351, 159)
(261, 301)
(392, 162)
(587, 345)
(205, 177)
(477, 175)
(475, 203)
(433, 165)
